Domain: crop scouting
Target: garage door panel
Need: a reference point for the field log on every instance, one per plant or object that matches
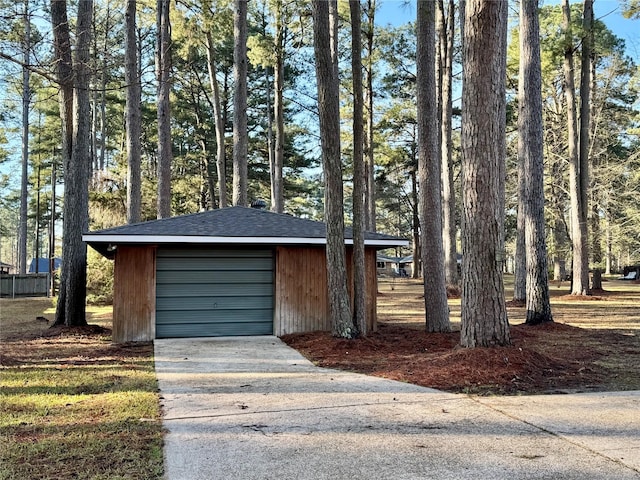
(215, 304)
(206, 317)
(213, 277)
(216, 264)
(216, 330)
(208, 292)
(206, 289)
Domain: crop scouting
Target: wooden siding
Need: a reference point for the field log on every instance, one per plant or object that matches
(301, 289)
(134, 294)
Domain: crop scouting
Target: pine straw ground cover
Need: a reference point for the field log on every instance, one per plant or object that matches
(72, 405)
(594, 345)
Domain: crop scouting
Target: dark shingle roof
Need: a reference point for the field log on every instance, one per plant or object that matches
(237, 224)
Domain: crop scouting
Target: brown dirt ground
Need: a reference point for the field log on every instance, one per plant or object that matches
(550, 358)
(61, 346)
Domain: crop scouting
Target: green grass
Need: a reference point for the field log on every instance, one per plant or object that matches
(74, 406)
(401, 300)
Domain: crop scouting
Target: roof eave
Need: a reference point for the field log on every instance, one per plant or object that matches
(95, 240)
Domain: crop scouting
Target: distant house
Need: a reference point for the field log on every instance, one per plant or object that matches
(631, 272)
(5, 268)
(42, 265)
(394, 266)
(230, 271)
(401, 266)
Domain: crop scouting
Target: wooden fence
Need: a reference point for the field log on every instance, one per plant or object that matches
(31, 285)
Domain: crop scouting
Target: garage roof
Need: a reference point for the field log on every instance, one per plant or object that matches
(231, 225)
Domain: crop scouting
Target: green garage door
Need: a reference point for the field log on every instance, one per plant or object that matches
(208, 293)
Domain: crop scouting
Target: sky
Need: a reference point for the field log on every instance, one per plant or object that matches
(397, 12)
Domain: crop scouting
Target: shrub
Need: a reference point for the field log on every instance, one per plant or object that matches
(99, 279)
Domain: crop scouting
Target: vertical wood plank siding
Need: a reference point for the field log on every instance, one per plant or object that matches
(134, 295)
(301, 301)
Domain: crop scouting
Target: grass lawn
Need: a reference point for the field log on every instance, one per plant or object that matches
(72, 405)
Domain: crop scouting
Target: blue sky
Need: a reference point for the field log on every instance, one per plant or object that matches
(397, 12)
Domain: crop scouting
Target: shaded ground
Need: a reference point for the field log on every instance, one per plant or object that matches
(72, 404)
(27, 337)
(592, 346)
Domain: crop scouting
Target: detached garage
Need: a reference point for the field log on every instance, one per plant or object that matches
(232, 271)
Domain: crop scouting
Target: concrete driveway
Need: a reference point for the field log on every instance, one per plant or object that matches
(253, 408)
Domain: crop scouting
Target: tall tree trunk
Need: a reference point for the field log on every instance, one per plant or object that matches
(240, 137)
(560, 235)
(462, 7)
(595, 237)
(100, 101)
(484, 314)
(270, 142)
(329, 110)
(580, 280)
(64, 74)
(359, 267)
(370, 186)
(429, 172)
(24, 179)
(278, 86)
(133, 116)
(446, 32)
(165, 154)
(208, 172)
(74, 79)
(609, 240)
(219, 122)
(520, 261)
(584, 139)
(531, 153)
(416, 271)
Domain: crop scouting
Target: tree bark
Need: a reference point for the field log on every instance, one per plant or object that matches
(370, 186)
(416, 271)
(74, 76)
(531, 153)
(560, 235)
(484, 315)
(24, 179)
(163, 66)
(446, 32)
(520, 261)
(100, 102)
(579, 281)
(221, 168)
(329, 110)
(278, 107)
(359, 267)
(429, 172)
(64, 74)
(609, 243)
(271, 154)
(584, 139)
(133, 116)
(240, 138)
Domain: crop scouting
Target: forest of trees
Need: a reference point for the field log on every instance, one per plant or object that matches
(136, 110)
